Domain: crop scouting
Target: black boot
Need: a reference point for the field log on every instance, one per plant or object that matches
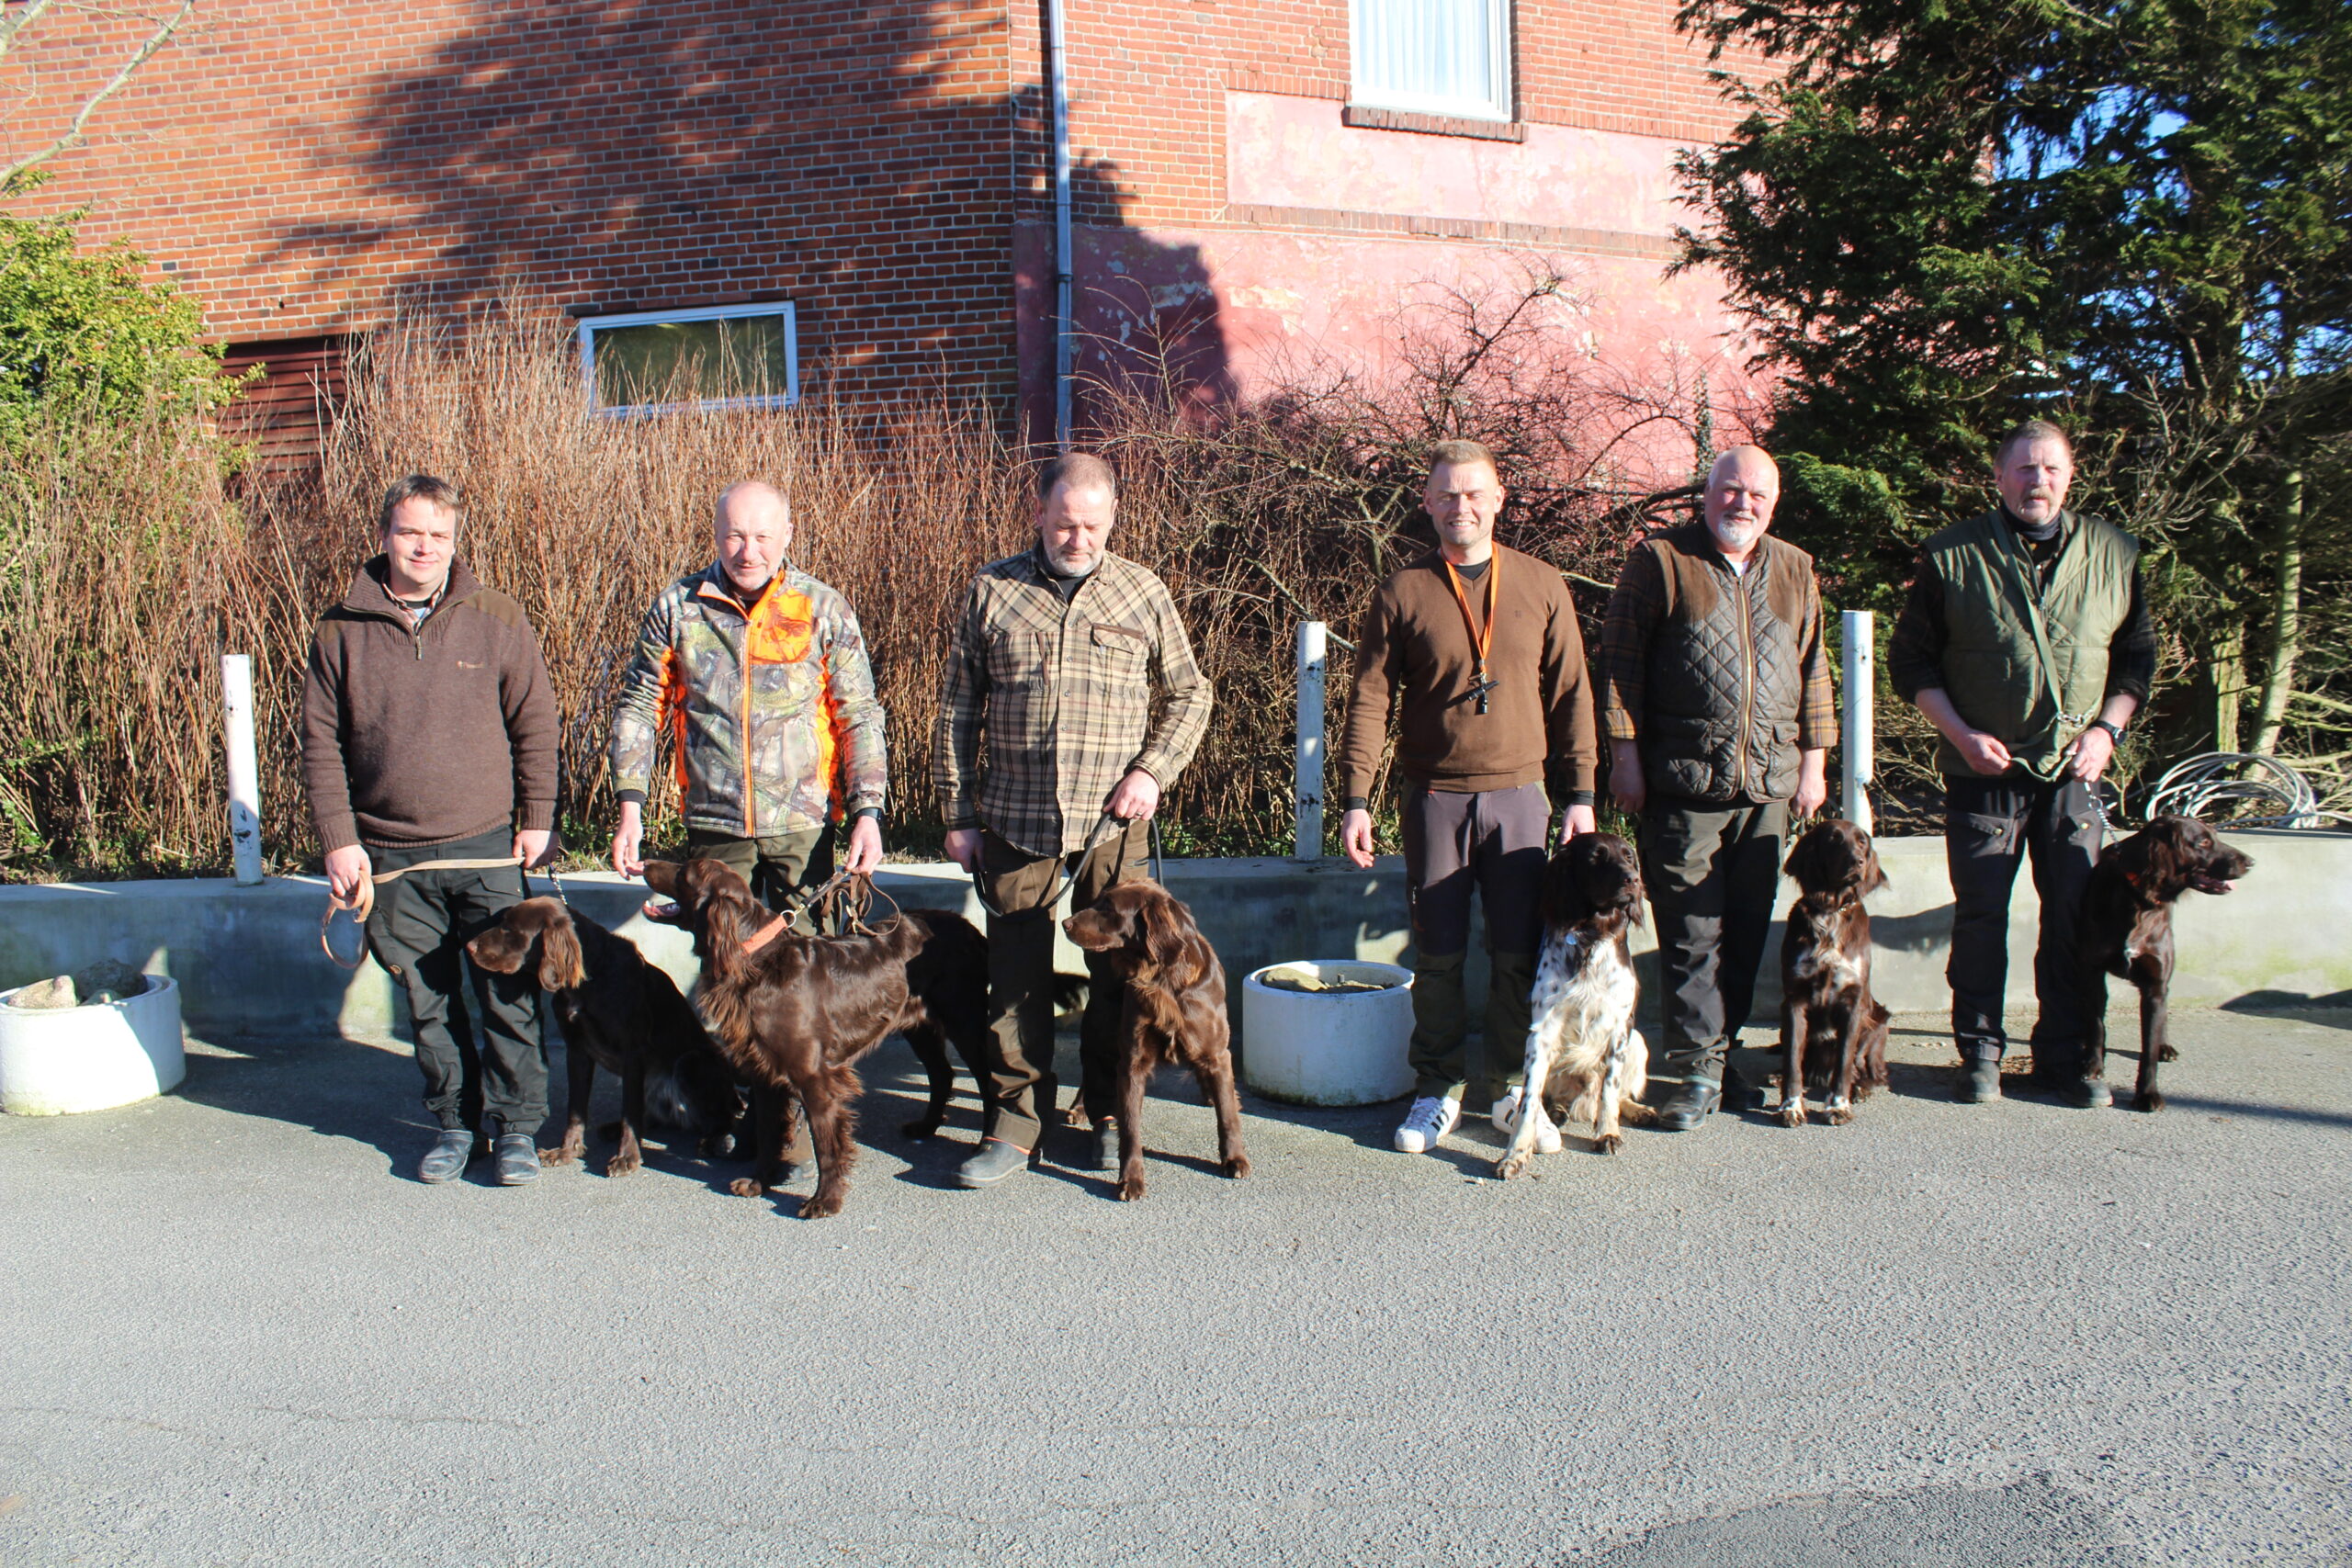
(1687, 1103)
(1979, 1080)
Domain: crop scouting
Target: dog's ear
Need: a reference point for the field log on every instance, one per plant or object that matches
(561, 965)
(1565, 901)
(1873, 873)
(662, 876)
(1799, 867)
(1162, 929)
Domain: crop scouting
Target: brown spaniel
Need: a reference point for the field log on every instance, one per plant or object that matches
(2126, 932)
(1172, 1013)
(621, 1013)
(793, 1012)
(1833, 1029)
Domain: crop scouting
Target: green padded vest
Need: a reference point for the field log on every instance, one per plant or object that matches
(2028, 667)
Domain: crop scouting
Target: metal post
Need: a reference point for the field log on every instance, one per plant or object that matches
(1064, 267)
(245, 775)
(1308, 844)
(1859, 628)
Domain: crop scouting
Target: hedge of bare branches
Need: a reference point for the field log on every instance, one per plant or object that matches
(130, 563)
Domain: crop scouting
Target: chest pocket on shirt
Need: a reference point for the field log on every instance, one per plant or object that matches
(1016, 657)
(1121, 654)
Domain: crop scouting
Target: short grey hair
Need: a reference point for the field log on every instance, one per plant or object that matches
(1080, 470)
(2028, 430)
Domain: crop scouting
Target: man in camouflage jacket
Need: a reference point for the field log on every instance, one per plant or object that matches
(1070, 666)
(759, 673)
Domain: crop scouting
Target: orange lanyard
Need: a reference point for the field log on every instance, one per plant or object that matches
(1482, 638)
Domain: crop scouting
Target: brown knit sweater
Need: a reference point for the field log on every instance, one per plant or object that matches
(1414, 651)
(431, 734)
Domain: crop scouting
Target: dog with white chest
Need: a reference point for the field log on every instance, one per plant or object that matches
(1833, 1030)
(1585, 1058)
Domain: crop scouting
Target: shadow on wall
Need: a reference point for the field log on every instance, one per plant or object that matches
(1143, 311)
(643, 156)
(638, 155)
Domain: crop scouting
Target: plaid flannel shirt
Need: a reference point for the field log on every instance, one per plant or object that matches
(1067, 698)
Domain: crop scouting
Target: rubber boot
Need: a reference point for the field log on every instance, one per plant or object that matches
(1440, 1022)
(1510, 978)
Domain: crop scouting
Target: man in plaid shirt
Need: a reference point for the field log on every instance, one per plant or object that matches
(1719, 714)
(1072, 666)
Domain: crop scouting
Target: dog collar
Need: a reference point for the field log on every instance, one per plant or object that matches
(766, 934)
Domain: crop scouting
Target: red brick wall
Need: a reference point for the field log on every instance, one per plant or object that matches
(302, 165)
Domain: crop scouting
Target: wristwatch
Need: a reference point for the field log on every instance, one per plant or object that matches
(2114, 731)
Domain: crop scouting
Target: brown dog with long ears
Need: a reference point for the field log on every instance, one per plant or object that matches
(2126, 932)
(796, 1012)
(1832, 1028)
(1172, 1013)
(623, 1015)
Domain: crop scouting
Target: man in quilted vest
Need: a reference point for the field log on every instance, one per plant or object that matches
(1717, 701)
(2026, 641)
(759, 673)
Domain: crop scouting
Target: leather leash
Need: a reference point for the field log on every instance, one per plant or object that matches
(849, 894)
(362, 903)
(1094, 841)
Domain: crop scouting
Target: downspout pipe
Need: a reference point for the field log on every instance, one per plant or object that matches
(1057, 82)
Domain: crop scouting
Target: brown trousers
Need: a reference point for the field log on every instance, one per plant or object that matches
(1461, 845)
(1021, 977)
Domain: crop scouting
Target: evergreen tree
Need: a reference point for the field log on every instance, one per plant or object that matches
(2134, 216)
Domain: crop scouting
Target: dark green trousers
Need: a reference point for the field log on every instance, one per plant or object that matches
(778, 868)
(419, 931)
(1714, 873)
(1021, 978)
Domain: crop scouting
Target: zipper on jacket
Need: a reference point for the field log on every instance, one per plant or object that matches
(744, 700)
(1746, 669)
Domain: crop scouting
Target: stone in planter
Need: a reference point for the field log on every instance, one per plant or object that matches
(57, 1060)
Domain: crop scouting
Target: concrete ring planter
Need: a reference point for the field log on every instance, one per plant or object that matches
(1329, 1047)
(54, 1061)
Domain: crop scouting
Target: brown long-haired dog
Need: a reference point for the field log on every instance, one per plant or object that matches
(1172, 1013)
(796, 1012)
(1833, 1029)
(2126, 932)
(620, 1014)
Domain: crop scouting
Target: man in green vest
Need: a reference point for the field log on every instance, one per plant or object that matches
(2026, 642)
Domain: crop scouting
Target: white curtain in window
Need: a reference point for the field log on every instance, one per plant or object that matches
(1447, 56)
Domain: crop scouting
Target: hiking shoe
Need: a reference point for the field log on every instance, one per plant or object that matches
(1688, 1104)
(995, 1162)
(2087, 1094)
(1978, 1081)
(1430, 1120)
(1506, 1121)
(518, 1159)
(447, 1158)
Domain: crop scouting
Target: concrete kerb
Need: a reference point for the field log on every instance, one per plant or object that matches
(248, 963)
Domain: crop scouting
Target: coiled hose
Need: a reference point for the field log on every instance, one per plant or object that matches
(2211, 782)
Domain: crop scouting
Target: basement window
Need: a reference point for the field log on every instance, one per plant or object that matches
(1434, 57)
(712, 356)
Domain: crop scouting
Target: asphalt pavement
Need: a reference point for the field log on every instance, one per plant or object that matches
(235, 1331)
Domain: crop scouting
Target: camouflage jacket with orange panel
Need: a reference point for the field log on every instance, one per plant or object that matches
(770, 711)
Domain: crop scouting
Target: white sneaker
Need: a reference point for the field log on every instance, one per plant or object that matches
(1506, 1119)
(1430, 1120)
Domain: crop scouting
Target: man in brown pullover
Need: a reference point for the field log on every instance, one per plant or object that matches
(1476, 647)
(429, 734)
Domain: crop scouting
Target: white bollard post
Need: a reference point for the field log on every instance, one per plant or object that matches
(1308, 842)
(244, 773)
(1859, 628)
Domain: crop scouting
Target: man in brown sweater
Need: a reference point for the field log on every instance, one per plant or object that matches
(1477, 647)
(429, 733)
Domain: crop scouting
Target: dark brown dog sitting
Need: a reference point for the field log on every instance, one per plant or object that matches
(2126, 932)
(793, 1012)
(1832, 1028)
(1172, 1012)
(620, 1014)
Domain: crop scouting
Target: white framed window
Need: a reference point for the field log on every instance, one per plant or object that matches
(725, 355)
(1438, 57)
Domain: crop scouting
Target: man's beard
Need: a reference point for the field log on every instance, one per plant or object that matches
(1730, 535)
(1067, 567)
